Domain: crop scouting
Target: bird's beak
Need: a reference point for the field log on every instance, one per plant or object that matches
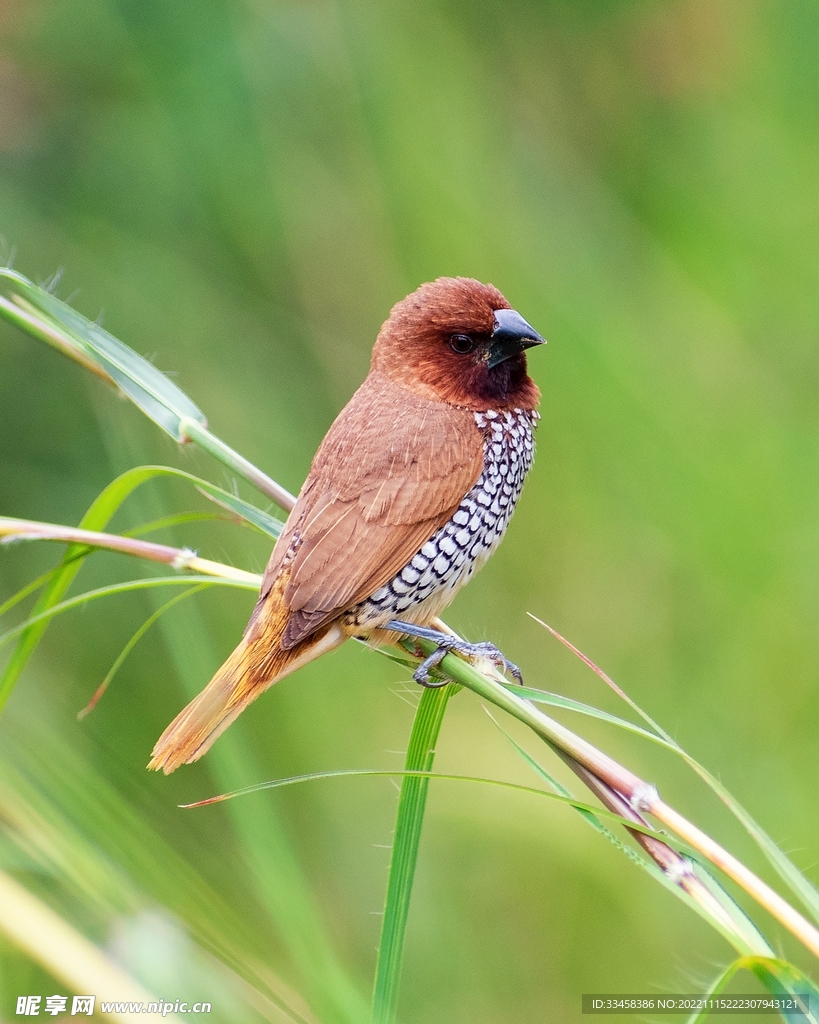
(511, 335)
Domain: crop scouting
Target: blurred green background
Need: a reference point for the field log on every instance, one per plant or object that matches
(241, 190)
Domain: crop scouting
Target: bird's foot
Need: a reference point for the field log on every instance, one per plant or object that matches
(446, 643)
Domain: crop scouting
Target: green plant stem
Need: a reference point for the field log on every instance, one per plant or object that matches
(194, 431)
(406, 839)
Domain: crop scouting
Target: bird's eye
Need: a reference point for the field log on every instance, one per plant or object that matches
(461, 343)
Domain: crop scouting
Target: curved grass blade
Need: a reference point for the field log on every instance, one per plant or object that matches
(31, 588)
(126, 650)
(584, 808)
(125, 483)
(257, 517)
(393, 773)
(181, 519)
(118, 588)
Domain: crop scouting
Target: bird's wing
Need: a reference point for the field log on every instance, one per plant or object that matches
(392, 469)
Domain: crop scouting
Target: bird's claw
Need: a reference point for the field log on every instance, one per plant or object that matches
(444, 643)
(421, 674)
(467, 650)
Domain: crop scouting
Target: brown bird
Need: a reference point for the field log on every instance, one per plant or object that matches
(408, 495)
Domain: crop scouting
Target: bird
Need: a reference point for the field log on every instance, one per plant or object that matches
(408, 495)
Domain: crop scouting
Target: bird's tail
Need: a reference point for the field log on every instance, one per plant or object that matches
(257, 663)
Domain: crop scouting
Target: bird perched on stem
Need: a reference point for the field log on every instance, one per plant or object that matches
(409, 493)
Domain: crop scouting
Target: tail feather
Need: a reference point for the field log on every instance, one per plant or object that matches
(257, 663)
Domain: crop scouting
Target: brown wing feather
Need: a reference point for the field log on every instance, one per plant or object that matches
(391, 470)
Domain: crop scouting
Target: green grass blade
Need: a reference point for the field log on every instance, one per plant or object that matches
(406, 840)
(246, 511)
(126, 650)
(734, 938)
(262, 520)
(181, 519)
(116, 588)
(34, 586)
(391, 773)
(118, 490)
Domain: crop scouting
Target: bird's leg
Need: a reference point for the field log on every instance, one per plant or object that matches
(444, 644)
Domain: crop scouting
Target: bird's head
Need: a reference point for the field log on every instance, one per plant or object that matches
(458, 341)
